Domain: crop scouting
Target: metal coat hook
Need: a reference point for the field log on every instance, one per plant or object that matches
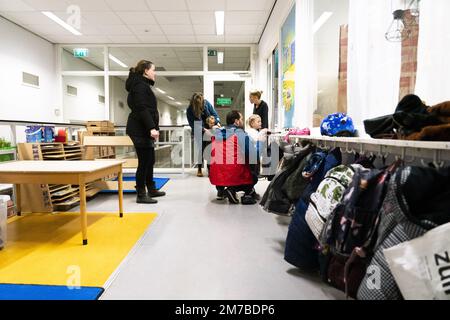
(361, 150)
(347, 149)
(381, 154)
(436, 160)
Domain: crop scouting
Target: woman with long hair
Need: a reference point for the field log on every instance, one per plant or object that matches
(143, 127)
(200, 110)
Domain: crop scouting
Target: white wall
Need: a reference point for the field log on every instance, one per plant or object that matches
(22, 51)
(269, 41)
(118, 93)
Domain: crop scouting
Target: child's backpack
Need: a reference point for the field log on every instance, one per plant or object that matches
(350, 233)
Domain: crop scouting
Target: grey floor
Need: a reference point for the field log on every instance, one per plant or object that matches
(200, 248)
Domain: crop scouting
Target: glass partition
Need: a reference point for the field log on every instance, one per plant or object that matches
(228, 59)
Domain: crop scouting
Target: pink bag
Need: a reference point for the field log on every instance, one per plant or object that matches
(297, 132)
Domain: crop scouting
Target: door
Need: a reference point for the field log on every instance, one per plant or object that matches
(229, 92)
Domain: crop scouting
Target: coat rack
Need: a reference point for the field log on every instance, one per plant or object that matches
(408, 151)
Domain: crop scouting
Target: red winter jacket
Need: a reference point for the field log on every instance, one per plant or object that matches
(228, 164)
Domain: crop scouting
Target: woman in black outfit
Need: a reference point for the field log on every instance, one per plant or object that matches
(143, 127)
(260, 108)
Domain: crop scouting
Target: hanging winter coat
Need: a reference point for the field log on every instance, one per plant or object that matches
(418, 200)
(276, 199)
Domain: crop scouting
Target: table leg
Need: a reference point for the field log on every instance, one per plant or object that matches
(83, 212)
(18, 200)
(120, 181)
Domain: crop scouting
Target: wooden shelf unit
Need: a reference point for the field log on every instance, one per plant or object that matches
(100, 128)
(50, 198)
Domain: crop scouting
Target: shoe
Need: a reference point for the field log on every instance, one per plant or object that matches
(155, 193)
(143, 197)
(220, 195)
(248, 200)
(231, 195)
(200, 174)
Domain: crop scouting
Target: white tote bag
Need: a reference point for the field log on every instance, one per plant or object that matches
(421, 267)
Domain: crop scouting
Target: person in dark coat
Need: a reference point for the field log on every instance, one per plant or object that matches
(143, 127)
(260, 108)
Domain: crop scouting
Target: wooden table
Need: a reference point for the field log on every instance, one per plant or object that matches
(62, 172)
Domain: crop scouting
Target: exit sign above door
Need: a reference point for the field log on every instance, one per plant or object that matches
(80, 52)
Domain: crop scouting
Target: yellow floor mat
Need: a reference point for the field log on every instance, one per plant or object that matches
(47, 249)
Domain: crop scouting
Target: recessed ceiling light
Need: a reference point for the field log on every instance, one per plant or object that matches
(162, 91)
(220, 56)
(171, 98)
(220, 22)
(179, 103)
(63, 24)
(120, 63)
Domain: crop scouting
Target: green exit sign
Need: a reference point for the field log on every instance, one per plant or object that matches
(80, 53)
(212, 53)
(224, 101)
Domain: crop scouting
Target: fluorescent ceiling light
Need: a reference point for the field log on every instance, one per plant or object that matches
(322, 20)
(220, 57)
(220, 22)
(120, 63)
(162, 91)
(179, 103)
(63, 24)
(171, 98)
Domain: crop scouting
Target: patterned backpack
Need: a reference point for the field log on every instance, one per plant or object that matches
(350, 232)
(328, 195)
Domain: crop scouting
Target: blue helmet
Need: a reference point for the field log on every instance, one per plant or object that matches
(337, 125)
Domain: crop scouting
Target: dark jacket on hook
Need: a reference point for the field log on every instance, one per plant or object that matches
(142, 101)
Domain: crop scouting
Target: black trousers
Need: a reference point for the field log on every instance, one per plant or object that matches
(246, 188)
(144, 173)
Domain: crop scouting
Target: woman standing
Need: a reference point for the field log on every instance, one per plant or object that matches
(200, 110)
(143, 127)
(260, 108)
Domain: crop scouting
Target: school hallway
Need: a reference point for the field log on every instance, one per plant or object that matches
(201, 248)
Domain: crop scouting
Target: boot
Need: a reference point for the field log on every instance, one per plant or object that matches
(199, 173)
(153, 192)
(143, 197)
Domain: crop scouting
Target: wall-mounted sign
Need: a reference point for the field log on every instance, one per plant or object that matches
(80, 52)
(224, 101)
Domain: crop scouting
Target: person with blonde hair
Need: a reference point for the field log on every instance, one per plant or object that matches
(260, 107)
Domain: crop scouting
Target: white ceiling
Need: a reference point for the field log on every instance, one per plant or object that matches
(143, 21)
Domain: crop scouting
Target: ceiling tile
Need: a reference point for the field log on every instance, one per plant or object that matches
(167, 5)
(134, 18)
(181, 39)
(203, 17)
(84, 39)
(108, 30)
(205, 5)
(145, 30)
(246, 17)
(89, 30)
(47, 5)
(210, 39)
(34, 18)
(153, 39)
(172, 17)
(239, 39)
(124, 39)
(99, 18)
(240, 29)
(14, 5)
(249, 5)
(207, 29)
(46, 29)
(177, 29)
(90, 5)
(128, 5)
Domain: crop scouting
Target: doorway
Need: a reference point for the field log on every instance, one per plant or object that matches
(229, 92)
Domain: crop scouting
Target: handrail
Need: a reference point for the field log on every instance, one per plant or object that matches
(23, 122)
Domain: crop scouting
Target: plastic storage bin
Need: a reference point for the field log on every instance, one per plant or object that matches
(3, 219)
